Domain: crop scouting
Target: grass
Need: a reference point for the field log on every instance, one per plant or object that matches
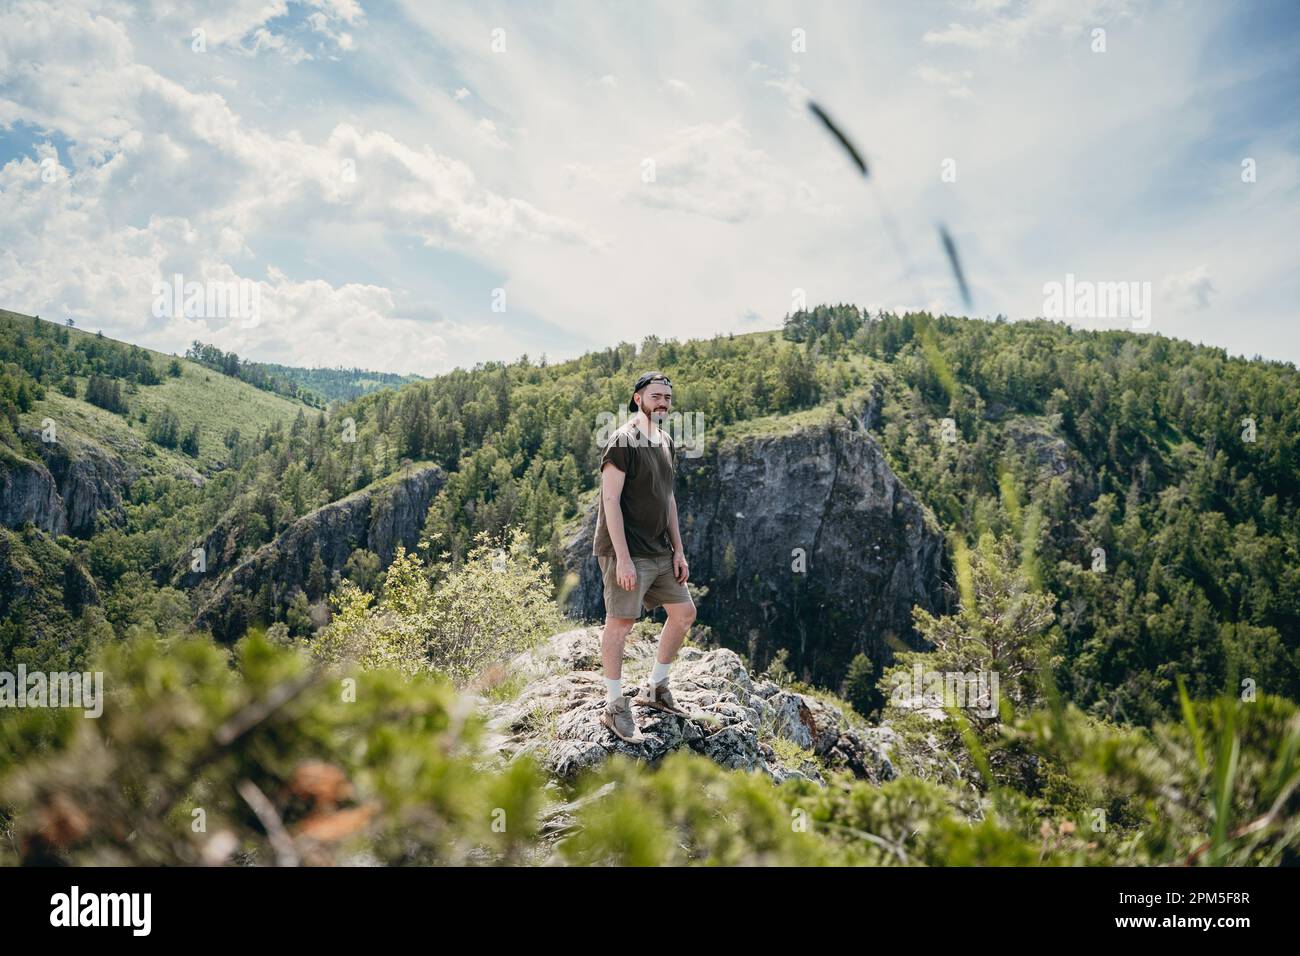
(543, 721)
(787, 423)
(791, 756)
(506, 689)
(776, 425)
(79, 424)
(213, 401)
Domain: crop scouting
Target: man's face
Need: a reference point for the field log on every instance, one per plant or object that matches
(657, 401)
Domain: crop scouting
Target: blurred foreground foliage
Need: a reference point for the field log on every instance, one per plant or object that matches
(262, 755)
(205, 755)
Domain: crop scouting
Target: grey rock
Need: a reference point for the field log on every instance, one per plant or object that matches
(28, 493)
(74, 488)
(1034, 441)
(1039, 443)
(58, 578)
(91, 483)
(555, 719)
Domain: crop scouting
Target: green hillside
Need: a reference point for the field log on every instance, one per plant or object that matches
(214, 402)
(1119, 516)
(1064, 441)
(198, 396)
(339, 384)
(314, 386)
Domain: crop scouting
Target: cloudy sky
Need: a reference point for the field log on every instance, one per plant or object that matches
(419, 186)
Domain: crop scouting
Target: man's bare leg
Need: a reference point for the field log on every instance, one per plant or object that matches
(611, 645)
(680, 618)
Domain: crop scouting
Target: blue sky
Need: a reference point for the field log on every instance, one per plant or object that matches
(496, 201)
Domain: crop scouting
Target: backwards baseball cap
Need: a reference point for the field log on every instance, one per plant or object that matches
(642, 382)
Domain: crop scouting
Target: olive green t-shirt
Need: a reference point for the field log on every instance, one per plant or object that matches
(647, 487)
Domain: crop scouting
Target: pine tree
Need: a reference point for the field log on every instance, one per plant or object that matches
(190, 443)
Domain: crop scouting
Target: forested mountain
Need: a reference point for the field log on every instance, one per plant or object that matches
(1140, 493)
(1171, 466)
(314, 386)
(338, 384)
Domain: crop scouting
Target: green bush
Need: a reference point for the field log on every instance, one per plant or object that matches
(207, 756)
(451, 620)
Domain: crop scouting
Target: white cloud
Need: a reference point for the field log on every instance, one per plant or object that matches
(955, 34)
(953, 83)
(1031, 19)
(712, 170)
(167, 180)
(313, 323)
(796, 94)
(230, 164)
(242, 25)
(487, 131)
(1188, 291)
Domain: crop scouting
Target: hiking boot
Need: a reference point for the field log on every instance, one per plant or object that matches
(618, 718)
(659, 697)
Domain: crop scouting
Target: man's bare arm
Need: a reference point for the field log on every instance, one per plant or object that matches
(611, 494)
(674, 534)
(681, 567)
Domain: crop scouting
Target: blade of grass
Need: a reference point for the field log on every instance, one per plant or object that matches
(950, 248)
(844, 140)
(1189, 718)
(1225, 776)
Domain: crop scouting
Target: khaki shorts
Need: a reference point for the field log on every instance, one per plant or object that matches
(655, 585)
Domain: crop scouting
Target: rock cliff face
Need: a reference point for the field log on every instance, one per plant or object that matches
(806, 541)
(378, 518)
(741, 723)
(91, 483)
(66, 492)
(28, 493)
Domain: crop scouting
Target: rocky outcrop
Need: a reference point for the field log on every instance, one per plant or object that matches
(72, 489)
(378, 518)
(221, 548)
(28, 492)
(1046, 455)
(738, 722)
(91, 483)
(805, 541)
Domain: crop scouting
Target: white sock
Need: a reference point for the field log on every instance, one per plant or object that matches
(660, 673)
(614, 688)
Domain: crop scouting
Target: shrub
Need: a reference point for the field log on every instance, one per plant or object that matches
(165, 428)
(255, 743)
(452, 620)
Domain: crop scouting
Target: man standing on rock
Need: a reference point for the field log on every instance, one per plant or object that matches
(639, 549)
